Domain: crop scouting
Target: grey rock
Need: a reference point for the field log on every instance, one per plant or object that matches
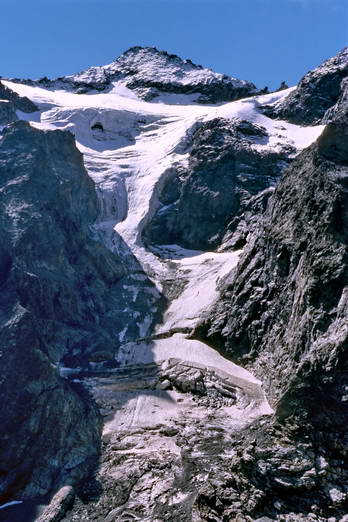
(284, 315)
(224, 171)
(59, 505)
(317, 92)
(299, 248)
(7, 112)
(56, 285)
(21, 103)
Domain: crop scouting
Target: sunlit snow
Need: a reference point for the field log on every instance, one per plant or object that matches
(129, 145)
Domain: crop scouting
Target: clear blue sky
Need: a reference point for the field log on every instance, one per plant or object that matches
(265, 41)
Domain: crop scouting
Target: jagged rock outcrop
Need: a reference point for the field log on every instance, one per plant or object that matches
(56, 299)
(225, 168)
(284, 312)
(62, 275)
(317, 92)
(7, 112)
(151, 73)
(299, 248)
(59, 505)
(21, 103)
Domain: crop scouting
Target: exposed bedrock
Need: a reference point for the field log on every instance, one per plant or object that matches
(151, 73)
(56, 300)
(21, 103)
(65, 278)
(224, 170)
(285, 308)
(7, 112)
(284, 314)
(317, 92)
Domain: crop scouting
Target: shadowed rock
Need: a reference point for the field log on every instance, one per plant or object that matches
(56, 294)
(223, 172)
(7, 112)
(21, 103)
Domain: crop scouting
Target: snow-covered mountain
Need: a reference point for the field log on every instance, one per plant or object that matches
(155, 75)
(147, 246)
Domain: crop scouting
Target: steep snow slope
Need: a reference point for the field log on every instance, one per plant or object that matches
(129, 147)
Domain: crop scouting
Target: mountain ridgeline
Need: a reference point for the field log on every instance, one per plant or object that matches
(174, 295)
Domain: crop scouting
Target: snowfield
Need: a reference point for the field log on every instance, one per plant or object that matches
(129, 145)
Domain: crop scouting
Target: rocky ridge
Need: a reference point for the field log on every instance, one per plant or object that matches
(224, 170)
(151, 73)
(316, 93)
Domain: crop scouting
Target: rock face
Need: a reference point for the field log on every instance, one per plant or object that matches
(299, 247)
(7, 112)
(21, 103)
(284, 312)
(55, 284)
(60, 504)
(151, 73)
(224, 170)
(317, 92)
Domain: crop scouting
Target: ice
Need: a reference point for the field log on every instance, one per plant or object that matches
(129, 155)
(199, 355)
(280, 132)
(202, 271)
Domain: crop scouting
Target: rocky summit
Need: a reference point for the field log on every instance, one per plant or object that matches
(174, 295)
(155, 75)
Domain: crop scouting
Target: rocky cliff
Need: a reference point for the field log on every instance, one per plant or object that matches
(283, 313)
(21, 103)
(7, 112)
(56, 282)
(317, 92)
(224, 169)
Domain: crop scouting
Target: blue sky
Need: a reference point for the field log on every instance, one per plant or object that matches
(264, 41)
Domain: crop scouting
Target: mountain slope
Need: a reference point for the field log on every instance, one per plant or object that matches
(47, 202)
(187, 433)
(283, 314)
(155, 75)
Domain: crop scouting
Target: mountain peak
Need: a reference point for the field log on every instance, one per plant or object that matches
(152, 52)
(153, 73)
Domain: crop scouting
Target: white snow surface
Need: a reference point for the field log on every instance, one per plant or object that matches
(202, 271)
(147, 64)
(129, 161)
